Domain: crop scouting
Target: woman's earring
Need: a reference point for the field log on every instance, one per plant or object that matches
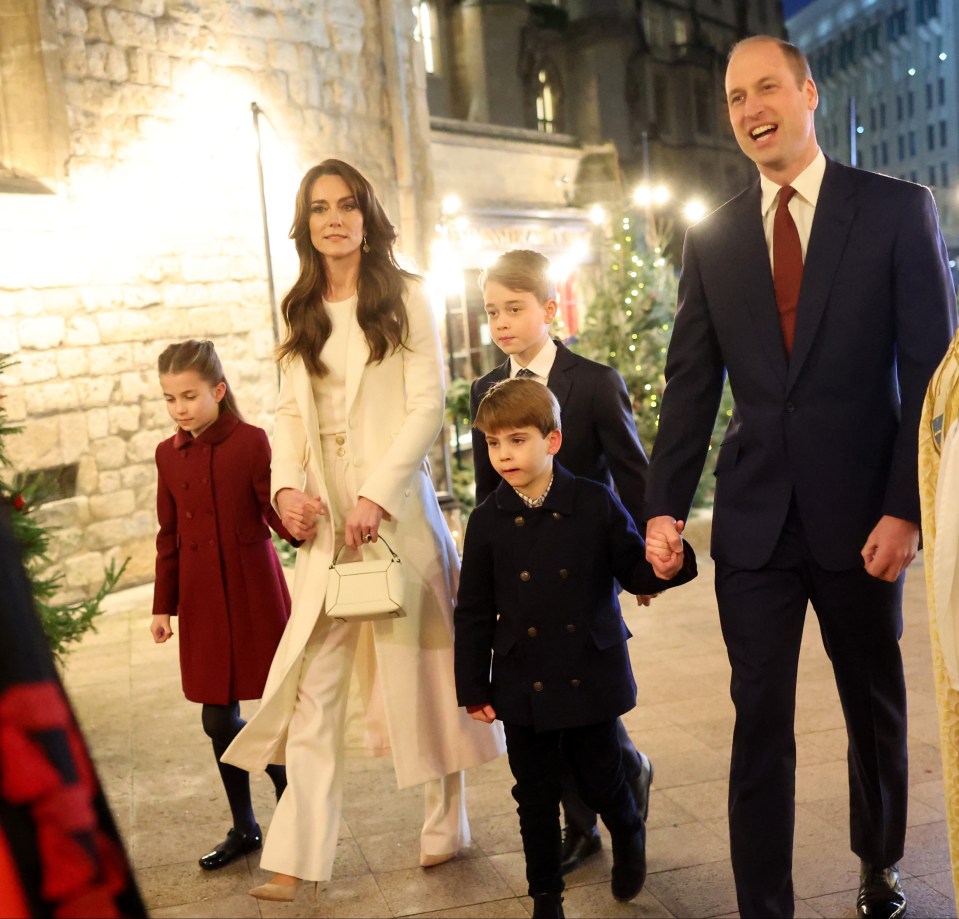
(366, 245)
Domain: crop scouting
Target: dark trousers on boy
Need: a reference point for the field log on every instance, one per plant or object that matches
(538, 760)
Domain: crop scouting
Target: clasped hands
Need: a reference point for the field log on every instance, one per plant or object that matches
(299, 512)
(887, 553)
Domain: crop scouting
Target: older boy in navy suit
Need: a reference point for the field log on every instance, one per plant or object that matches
(538, 593)
(600, 444)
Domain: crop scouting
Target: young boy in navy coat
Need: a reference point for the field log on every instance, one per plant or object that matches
(600, 444)
(538, 593)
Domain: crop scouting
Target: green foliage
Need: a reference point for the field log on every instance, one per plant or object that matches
(628, 325)
(63, 623)
(284, 550)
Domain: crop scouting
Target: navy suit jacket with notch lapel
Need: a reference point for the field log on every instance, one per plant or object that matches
(537, 592)
(837, 423)
(599, 432)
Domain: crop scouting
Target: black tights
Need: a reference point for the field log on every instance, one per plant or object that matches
(222, 723)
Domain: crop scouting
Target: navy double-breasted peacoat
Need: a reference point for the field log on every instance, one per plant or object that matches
(216, 567)
(537, 591)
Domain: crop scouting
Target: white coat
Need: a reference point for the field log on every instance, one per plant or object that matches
(394, 411)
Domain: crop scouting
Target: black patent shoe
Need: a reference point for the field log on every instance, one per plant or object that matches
(577, 847)
(629, 866)
(880, 894)
(548, 906)
(235, 845)
(640, 785)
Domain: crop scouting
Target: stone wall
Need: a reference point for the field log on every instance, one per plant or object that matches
(155, 233)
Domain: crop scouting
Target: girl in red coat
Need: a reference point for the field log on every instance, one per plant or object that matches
(216, 567)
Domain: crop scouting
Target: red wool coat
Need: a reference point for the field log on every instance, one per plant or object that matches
(216, 567)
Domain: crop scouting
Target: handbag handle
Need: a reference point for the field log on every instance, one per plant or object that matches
(393, 555)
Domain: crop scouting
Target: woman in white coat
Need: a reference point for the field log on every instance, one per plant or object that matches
(361, 402)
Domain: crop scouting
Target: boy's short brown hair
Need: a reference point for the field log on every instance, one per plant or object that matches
(518, 403)
(522, 269)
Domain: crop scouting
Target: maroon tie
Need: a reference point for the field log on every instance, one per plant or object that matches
(787, 266)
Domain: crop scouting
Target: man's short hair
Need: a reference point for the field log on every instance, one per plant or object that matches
(518, 403)
(797, 61)
(524, 270)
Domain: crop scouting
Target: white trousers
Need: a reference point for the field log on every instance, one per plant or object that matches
(301, 841)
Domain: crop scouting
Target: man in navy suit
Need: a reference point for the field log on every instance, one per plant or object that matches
(601, 444)
(825, 294)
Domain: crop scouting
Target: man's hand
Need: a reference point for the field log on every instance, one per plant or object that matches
(890, 547)
(482, 713)
(664, 546)
(299, 511)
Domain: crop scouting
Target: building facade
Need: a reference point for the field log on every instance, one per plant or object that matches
(131, 216)
(888, 78)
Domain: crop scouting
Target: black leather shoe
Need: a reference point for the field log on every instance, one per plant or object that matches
(629, 866)
(577, 847)
(640, 785)
(235, 845)
(880, 895)
(548, 906)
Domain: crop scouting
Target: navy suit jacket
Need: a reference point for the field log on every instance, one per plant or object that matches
(836, 424)
(599, 433)
(538, 593)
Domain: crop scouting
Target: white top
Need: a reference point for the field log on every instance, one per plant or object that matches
(329, 392)
(802, 205)
(539, 365)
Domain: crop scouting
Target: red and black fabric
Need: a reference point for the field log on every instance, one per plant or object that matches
(60, 853)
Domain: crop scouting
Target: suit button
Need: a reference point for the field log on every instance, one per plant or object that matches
(203, 481)
(524, 575)
(340, 439)
(538, 686)
(563, 573)
(186, 484)
(574, 684)
(194, 546)
(790, 407)
(498, 616)
(212, 542)
(519, 521)
(557, 515)
(189, 515)
(571, 628)
(531, 631)
(340, 451)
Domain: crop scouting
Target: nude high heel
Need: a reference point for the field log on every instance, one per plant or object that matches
(282, 893)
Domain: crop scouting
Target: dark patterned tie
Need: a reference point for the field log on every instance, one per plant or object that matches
(524, 372)
(787, 266)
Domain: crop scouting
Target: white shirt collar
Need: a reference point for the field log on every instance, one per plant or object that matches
(807, 184)
(541, 365)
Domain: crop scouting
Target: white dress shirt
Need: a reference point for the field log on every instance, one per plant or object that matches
(540, 365)
(802, 205)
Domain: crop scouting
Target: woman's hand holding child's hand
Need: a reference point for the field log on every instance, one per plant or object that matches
(299, 511)
(160, 629)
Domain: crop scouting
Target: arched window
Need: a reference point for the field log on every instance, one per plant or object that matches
(426, 33)
(545, 103)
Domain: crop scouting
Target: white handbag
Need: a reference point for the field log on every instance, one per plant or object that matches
(372, 589)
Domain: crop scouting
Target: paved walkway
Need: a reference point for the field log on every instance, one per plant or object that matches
(162, 783)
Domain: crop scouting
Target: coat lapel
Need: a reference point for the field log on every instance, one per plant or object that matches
(750, 251)
(357, 356)
(559, 382)
(835, 210)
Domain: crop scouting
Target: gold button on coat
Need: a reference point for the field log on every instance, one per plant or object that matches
(538, 686)
(519, 521)
(557, 515)
(340, 439)
(574, 684)
(524, 575)
(563, 573)
(531, 631)
(571, 628)
(340, 451)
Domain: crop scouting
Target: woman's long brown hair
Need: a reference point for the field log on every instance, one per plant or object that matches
(380, 310)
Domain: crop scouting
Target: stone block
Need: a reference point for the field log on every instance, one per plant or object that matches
(69, 540)
(9, 338)
(51, 398)
(95, 391)
(139, 475)
(81, 331)
(36, 446)
(14, 403)
(83, 570)
(69, 512)
(32, 367)
(243, 51)
(152, 8)
(138, 63)
(110, 359)
(258, 22)
(113, 504)
(345, 12)
(73, 436)
(137, 386)
(346, 39)
(204, 268)
(141, 447)
(72, 362)
(75, 22)
(230, 293)
(160, 69)
(130, 30)
(42, 333)
(87, 476)
(73, 56)
(96, 25)
(110, 452)
(111, 480)
(142, 561)
(125, 325)
(283, 55)
(184, 295)
(124, 419)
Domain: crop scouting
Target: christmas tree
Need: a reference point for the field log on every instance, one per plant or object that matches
(629, 321)
(63, 623)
